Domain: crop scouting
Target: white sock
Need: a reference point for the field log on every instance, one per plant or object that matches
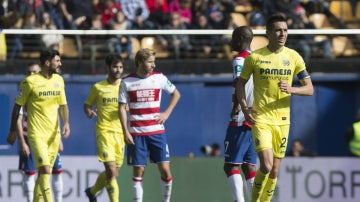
(166, 186)
(137, 189)
(29, 185)
(250, 181)
(57, 186)
(236, 184)
(249, 184)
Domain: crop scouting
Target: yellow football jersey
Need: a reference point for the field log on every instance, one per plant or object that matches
(105, 96)
(268, 69)
(42, 98)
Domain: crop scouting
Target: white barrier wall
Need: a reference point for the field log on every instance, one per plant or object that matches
(319, 180)
(79, 172)
(301, 179)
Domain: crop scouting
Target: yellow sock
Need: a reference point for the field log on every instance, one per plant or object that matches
(37, 193)
(112, 189)
(269, 189)
(259, 183)
(99, 184)
(44, 183)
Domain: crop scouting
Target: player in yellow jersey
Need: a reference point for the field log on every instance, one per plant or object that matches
(43, 94)
(109, 137)
(273, 68)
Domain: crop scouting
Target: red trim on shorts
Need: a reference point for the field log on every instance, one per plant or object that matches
(250, 175)
(30, 173)
(233, 172)
(56, 171)
(167, 180)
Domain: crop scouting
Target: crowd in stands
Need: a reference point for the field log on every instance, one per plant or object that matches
(152, 14)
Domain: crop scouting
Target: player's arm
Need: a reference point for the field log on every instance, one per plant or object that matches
(64, 112)
(175, 97)
(24, 147)
(241, 96)
(13, 124)
(122, 110)
(89, 112)
(306, 88)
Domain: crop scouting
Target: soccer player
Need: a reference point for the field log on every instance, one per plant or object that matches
(145, 136)
(43, 94)
(109, 138)
(26, 160)
(239, 148)
(273, 68)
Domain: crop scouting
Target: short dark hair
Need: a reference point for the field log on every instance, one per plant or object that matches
(274, 18)
(113, 59)
(48, 55)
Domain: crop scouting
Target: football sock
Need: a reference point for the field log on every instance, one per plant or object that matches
(57, 186)
(37, 193)
(269, 189)
(236, 184)
(99, 184)
(259, 183)
(112, 189)
(29, 186)
(166, 185)
(137, 189)
(43, 181)
(250, 181)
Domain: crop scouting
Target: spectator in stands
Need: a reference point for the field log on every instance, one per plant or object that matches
(352, 137)
(110, 10)
(50, 41)
(33, 6)
(159, 12)
(174, 43)
(58, 12)
(217, 10)
(297, 149)
(203, 45)
(183, 7)
(256, 16)
(215, 14)
(198, 7)
(137, 12)
(280, 6)
(81, 13)
(117, 42)
(305, 44)
(14, 42)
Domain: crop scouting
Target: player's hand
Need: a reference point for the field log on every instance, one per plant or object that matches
(92, 113)
(11, 137)
(284, 87)
(248, 113)
(65, 131)
(161, 118)
(24, 150)
(129, 139)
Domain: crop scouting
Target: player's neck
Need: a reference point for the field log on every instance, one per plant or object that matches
(46, 73)
(275, 48)
(112, 81)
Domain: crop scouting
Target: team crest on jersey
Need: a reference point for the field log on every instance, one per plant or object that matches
(286, 62)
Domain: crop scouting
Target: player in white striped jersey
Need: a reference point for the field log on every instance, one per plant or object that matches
(143, 129)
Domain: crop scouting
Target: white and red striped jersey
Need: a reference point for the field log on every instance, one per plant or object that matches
(143, 96)
(24, 120)
(238, 65)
